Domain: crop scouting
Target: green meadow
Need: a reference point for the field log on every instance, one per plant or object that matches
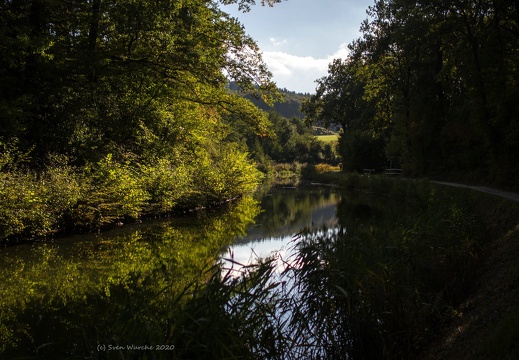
(328, 138)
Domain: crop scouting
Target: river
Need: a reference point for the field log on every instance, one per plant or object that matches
(285, 212)
(91, 294)
(298, 273)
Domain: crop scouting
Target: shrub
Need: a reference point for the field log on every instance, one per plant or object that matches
(64, 188)
(166, 183)
(24, 208)
(36, 205)
(62, 196)
(114, 191)
(224, 173)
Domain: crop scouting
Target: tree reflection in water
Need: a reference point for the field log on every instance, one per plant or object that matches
(64, 297)
(372, 285)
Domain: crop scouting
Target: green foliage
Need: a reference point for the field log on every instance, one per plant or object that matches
(133, 96)
(114, 191)
(63, 197)
(432, 82)
(166, 183)
(24, 209)
(32, 205)
(114, 289)
(95, 71)
(295, 141)
(224, 173)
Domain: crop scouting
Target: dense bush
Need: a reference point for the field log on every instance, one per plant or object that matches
(112, 191)
(25, 208)
(166, 183)
(62, 196)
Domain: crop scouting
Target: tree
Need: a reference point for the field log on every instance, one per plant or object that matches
(95, 77)
(435, 79)
(346, 98)
(339, 96)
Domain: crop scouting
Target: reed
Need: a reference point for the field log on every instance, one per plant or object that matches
(359, 292)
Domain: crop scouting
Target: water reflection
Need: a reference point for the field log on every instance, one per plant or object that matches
(151, 284)
(285, 213)
(66, 297)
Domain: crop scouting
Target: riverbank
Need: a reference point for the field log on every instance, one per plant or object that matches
(411, 264)
(64, 199)
(485, 324)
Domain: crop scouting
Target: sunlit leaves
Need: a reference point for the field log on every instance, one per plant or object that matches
(126, 91)
(97, 73)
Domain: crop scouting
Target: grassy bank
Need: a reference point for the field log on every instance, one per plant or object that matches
(65, 198)
(457, 260)
(327, 139)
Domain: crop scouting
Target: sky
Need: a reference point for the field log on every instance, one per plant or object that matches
(299, 38)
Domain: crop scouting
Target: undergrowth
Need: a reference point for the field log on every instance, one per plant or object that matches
(62, 197)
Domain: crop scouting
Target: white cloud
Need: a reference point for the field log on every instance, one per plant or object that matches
(277, 42)
(342, 53)
(298, 73)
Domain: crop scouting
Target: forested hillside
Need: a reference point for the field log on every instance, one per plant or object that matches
(289, 106)
(111, 109)
(290, 139)
(432, 87)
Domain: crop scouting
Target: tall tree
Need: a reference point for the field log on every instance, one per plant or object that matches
(439, 78)
(90, 77)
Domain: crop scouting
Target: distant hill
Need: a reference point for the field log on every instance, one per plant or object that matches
(289, 108)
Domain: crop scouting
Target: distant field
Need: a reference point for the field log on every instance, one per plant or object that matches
(328, 138)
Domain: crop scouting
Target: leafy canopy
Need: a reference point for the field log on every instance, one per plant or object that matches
(88, 78)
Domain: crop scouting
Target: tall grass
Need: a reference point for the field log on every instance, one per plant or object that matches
(364, 291)
(376, 287)
(231, 318)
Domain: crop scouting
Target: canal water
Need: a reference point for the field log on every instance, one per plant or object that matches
(285, 213)
(87, 295)
(298, 273)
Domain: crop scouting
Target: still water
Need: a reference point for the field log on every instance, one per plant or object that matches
(285, 212)
(122, 289)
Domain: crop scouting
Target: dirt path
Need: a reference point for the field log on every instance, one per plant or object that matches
(503, 194)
